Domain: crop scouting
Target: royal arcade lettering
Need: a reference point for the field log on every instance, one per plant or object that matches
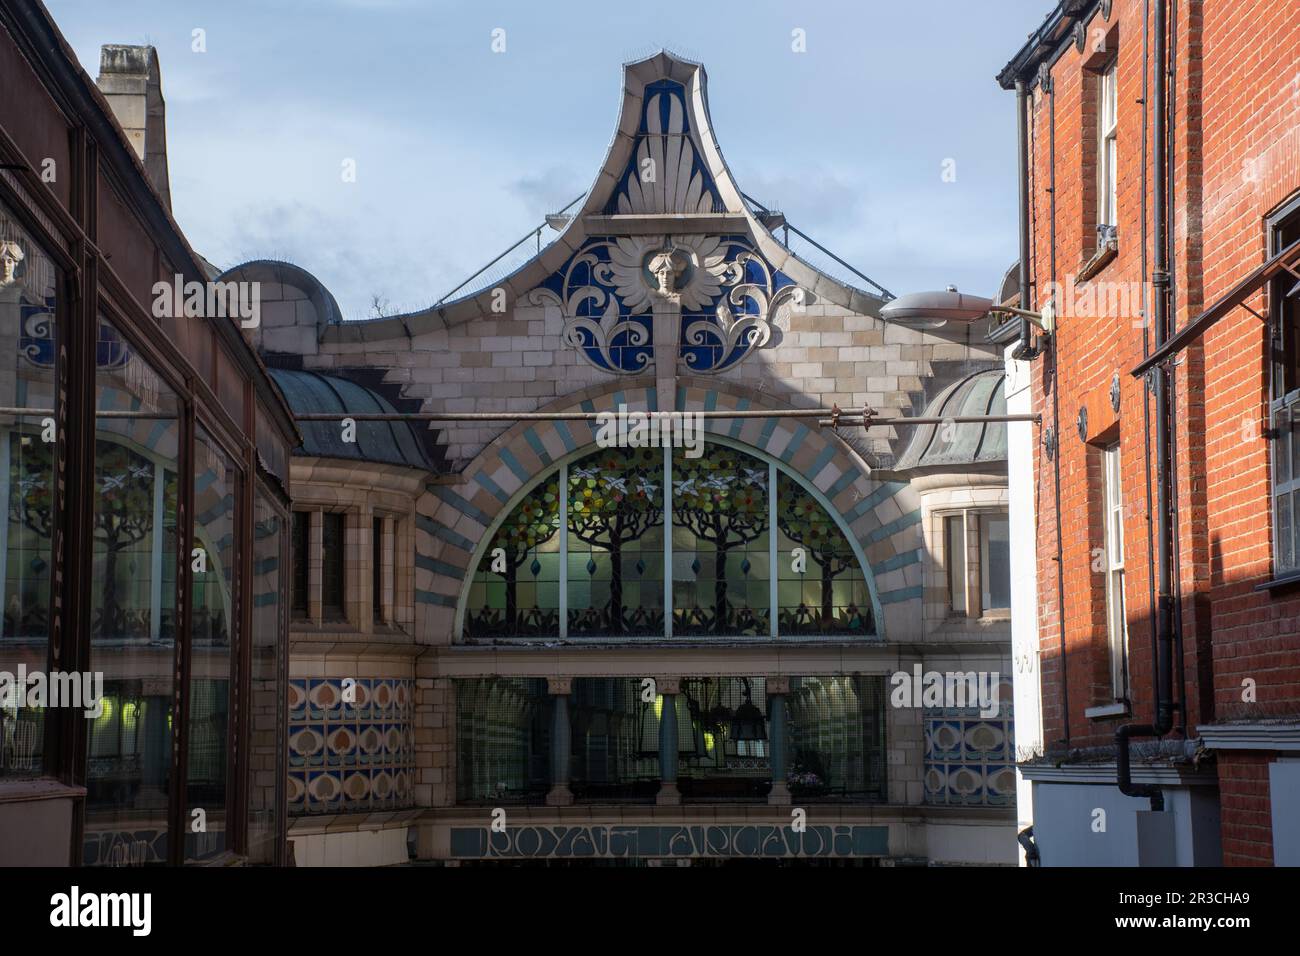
(628, 842)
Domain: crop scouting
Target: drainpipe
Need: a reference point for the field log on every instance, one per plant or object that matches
(1164, 532)
(1025, 350)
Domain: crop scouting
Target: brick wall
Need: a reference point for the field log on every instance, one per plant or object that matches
(1245, 809)
(1235, 138)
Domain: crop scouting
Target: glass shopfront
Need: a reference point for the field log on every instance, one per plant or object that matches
(834, 739)
(29, 307)
(133, 588)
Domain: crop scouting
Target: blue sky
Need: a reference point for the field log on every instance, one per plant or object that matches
(459, 151)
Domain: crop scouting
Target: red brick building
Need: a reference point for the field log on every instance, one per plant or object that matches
(1159, 211)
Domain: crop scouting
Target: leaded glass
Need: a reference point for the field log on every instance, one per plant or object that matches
(516, 589)
(820, 586)
(615, 528)
(720, 544)
(605, 573)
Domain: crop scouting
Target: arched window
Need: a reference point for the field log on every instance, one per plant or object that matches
(591, 551)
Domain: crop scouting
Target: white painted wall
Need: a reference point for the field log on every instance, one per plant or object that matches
(1069, 820)
(1021, 437)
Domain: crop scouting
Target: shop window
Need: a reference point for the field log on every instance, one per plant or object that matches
(213, 640)
(133, 589)
(502, 740)
(29, 291)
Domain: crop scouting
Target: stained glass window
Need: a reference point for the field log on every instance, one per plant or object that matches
(605, 575)
(821, 588)
(616, 543)
(720, 544)
(516, 588)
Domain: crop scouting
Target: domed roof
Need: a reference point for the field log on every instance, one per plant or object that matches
(966, 444)
(388, 442)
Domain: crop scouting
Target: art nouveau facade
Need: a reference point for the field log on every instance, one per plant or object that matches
(641, 653)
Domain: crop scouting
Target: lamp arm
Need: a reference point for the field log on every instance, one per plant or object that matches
(1034, 317)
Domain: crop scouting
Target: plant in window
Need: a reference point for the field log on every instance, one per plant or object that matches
(614, 499)
(721, 498)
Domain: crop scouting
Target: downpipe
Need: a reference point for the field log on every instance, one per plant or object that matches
(1164, 531)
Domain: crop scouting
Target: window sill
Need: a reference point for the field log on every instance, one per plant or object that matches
(1105, 711)
(1289, 580)
(27, 789)
(1100, 259)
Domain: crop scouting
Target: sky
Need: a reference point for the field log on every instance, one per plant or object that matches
(886, 139)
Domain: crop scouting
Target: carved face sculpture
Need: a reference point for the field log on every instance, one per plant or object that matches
(667, 266)
(11, 254)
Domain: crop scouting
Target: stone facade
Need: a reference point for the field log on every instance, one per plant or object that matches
(730, 321)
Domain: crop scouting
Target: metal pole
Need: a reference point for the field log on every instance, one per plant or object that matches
(843, 416)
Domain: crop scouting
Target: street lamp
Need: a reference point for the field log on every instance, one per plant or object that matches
(934, 310)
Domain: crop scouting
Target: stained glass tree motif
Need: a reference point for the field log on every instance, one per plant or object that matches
(531, 523)
(720, 498)
(615, 498)
(803, 521)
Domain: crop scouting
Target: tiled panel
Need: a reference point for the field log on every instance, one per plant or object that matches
(969, 759)
(350, 755)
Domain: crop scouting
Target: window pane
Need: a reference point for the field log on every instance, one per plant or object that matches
(503, 740)
(995, 560)
(720, 543)
(29, 284)
(516, 588)
(265, 699)
(1285, 545)
(377, 568)
(615, 542)
(301, 558)
(332, 552)
(615, 740)
(824, 591)
(725, 757)
(954, 541)
(836, 738)
(213, 637)
(133, 589)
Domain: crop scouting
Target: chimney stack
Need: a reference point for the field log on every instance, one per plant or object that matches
(131, 81)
